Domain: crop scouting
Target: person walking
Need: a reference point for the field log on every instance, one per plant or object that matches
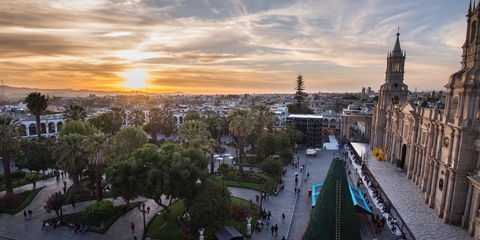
(132, 226)
(308, 174)
(73, 202)
(29, 214)
(276, 230)
(26, 217)
(272, 229)
(283, 218)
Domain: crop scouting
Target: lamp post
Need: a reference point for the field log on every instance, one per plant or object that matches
(143, 211)
(261, 197)
(155, 123)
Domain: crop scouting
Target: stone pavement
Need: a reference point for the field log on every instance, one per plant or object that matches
(407, 198)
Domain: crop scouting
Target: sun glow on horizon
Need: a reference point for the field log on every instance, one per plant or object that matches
(135, 79)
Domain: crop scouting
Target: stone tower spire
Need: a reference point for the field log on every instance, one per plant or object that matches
(394, 91)
(462, 90)
(391, 94)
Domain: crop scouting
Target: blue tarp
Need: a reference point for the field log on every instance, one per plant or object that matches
(359, 201)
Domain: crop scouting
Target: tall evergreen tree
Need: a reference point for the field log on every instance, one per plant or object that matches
(300, 95)
(299, 100)
(322, 224)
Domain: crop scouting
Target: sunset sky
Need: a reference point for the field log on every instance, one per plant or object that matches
(227, 46)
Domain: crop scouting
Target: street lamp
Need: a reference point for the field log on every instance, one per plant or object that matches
(261, 197)
(143, 211)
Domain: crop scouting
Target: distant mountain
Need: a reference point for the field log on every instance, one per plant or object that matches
(16, 93)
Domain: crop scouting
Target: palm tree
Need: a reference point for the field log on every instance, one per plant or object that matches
(74, 112)
(98, 145)
(241, 126)
(154, 116)
(136, 117)
(260, 116)
(36, 104)
(9, 141)
(118, 118)
(71, 156)
(193, 129)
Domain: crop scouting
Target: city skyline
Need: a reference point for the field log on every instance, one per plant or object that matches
(208, 47)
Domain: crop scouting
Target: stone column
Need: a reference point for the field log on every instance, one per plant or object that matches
(429, 181)
(433, 187)
(449, 192)
(466, 213)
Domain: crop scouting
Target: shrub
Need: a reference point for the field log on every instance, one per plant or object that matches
(99, 211)
(10, 200)
(240, 212)
(18, 174)
(55, 202)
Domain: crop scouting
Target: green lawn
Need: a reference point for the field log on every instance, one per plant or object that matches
(22, 181)
(84, 196)
(78, 218)
(28, 197)
(268, 187)
(163, 225)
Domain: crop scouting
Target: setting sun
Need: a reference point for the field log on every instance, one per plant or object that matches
(135, 78)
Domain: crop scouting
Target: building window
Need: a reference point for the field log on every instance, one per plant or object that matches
(453, 109)
(440, 184)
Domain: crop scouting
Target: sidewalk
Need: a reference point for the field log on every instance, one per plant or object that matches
(408, 200)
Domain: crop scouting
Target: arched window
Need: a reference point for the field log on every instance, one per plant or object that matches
(440, 184)
(453, 109)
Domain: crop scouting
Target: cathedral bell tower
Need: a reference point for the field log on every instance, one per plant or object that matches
(391, 94)
(462, 90)
(394, 92)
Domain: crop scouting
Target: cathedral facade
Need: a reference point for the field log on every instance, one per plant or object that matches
(437, 148)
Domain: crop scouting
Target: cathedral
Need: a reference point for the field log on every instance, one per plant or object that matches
(437, 148)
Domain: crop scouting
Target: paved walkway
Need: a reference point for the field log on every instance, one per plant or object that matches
(15, 227)
(408, 200)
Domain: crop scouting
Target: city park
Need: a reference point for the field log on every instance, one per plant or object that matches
(106, 160)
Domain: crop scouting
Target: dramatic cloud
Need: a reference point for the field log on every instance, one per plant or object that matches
(226, 46)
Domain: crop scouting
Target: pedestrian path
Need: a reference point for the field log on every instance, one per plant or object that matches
(407, 198)
(15, 227)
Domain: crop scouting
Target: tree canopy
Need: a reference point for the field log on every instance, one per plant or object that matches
(129, 139)
(211, 206)
(9, 142)
(172, 172)
(74, 112)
